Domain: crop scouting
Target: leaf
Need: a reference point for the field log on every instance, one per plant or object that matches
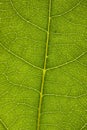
(43, 65)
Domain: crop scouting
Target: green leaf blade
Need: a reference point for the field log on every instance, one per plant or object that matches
(43, 65)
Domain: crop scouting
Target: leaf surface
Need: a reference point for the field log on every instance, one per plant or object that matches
(43, 64)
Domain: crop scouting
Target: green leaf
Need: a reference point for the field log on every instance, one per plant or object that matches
(43, 64)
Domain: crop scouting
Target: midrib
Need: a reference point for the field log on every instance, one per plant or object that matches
(44, 68)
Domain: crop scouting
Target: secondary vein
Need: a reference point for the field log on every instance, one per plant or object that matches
(44, 68)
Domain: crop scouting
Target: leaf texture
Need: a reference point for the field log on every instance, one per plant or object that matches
(43, 64)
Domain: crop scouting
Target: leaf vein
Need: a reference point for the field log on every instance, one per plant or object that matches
(66, 63)
(17, 56)
(40, 28)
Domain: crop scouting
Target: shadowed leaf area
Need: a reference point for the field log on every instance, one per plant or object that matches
(43, 64)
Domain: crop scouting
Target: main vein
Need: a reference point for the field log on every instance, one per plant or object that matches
(44, 68)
